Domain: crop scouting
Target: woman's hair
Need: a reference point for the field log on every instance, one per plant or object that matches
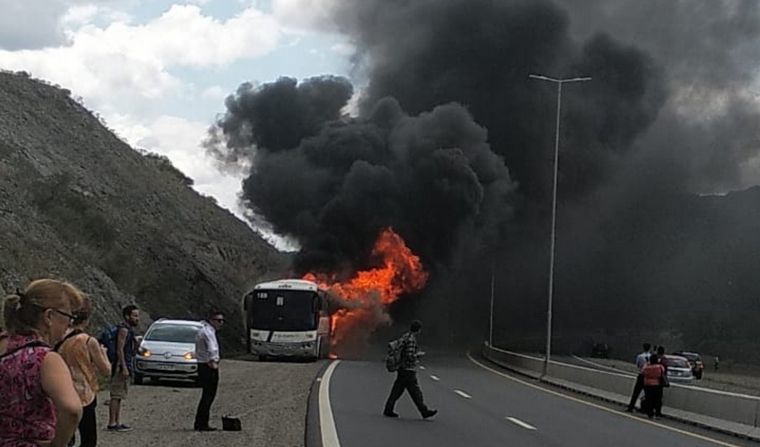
(84, 311)
(24, 309)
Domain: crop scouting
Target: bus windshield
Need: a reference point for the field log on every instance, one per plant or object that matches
(283, 310)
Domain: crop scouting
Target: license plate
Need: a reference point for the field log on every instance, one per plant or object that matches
(165, 367)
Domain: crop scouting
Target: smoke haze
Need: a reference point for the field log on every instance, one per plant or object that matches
(453, 148)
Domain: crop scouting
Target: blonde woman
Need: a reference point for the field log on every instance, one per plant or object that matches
(85, 356)
(39, 406)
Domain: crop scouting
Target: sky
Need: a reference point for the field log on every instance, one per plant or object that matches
(158, 71)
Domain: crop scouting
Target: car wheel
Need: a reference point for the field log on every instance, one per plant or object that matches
(137, 379)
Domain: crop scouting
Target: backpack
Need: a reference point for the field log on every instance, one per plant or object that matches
(107, 338)
(395, 354)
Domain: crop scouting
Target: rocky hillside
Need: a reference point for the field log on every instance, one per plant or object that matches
(78, 203)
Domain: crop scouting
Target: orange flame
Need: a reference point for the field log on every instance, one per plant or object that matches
(365, 297)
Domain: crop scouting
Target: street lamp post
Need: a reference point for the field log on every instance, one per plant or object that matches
(490, 323)
(559, 83)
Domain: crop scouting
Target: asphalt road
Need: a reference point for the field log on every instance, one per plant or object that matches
(482, 406)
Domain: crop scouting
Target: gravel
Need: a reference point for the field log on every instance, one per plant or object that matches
(269, 398)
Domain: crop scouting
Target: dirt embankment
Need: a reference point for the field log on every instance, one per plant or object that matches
(269, 398)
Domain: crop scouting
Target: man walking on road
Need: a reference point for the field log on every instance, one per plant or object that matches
(406, 378)
(207, 353)
(641, 360)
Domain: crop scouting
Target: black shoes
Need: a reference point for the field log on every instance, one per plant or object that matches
(429, 413)
(425, 414)
(207, 428)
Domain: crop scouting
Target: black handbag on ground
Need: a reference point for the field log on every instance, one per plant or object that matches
(230, 423)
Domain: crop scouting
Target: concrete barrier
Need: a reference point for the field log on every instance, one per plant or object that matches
(732, 407)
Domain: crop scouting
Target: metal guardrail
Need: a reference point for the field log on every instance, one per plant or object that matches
(732, 407)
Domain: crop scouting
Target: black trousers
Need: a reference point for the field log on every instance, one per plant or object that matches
(406, 381)
(88, 428)
(636, 391)
(653, 400)
(209, 380)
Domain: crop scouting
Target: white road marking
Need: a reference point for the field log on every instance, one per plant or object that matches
(326, 421)
(463, 394)
(435, 378)
(520, 423)
(599, 407)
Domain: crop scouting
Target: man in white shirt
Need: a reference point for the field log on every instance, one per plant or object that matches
(207, 353)
(641, 360)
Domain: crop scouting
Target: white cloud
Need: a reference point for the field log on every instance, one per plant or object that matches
(180, 140)
(305, 15)
(31, 24)
(78, 15)
(128, 72)
(129, 64)
(214, 93)
(343, 49)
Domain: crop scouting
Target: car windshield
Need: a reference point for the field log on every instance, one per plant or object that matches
(175, 333)
(676, 362)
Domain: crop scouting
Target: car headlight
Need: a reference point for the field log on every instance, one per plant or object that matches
(143, 352)
(189, 355)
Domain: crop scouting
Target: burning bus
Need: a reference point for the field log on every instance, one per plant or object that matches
(287, 318)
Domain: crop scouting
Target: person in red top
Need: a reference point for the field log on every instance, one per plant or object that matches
(39, 406)
(653, 373)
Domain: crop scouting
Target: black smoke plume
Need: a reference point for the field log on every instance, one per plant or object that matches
(670, 111)
(333, 184)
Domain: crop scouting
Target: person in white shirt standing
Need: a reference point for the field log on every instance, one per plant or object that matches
(641, 360)
(207, 353)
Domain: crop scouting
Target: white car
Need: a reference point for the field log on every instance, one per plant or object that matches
(167, 351)
(679, 369)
